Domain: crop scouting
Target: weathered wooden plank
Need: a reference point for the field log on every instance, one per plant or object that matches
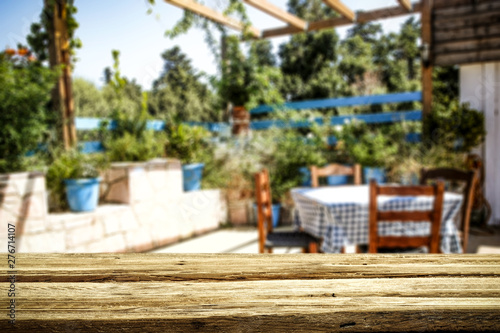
(328, 23)
(384, 13)
(471, 20)
(454, 12)
(438, 4)
(232, 267)
(341, 8)
(474, 45)
(467, 57)
(296, 305)
(452, 35)
(427, 56)
(264, 293)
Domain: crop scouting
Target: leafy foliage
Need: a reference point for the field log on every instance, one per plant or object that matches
(130, 140)
(38, 39)
(24, 117)
(188, 143)
(370, 147)
(178, 94)
(455, 127)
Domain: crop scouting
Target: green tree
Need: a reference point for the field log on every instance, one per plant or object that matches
(357, 59)
(407, 48)
(24, 118)
(89, 100)
(179, 92)
(307, 56)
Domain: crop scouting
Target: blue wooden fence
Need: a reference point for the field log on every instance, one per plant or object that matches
(85, 124)
(342, 102)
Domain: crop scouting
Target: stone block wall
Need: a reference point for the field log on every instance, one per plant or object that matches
(23, 203)
(149, 209)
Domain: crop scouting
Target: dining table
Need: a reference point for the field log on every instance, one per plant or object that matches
(339, 216)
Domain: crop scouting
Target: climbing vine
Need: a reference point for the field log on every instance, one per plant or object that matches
(191, 20)
(38, 39)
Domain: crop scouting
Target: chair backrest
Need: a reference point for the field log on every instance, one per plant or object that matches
(264, 202)
(335, 169)
(469, 178)
(433, 216)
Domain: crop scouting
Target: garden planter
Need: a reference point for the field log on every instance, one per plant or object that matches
(374, 173)
(276, 213)
(192, 174)
(82, 194)
(241, 120)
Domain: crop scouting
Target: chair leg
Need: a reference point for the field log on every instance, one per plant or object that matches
(313, 247)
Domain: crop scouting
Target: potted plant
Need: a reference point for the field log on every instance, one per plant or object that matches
(77, 175)
(372, 148)
(190, 145)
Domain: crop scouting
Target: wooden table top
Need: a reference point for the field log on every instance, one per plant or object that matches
(253, 293)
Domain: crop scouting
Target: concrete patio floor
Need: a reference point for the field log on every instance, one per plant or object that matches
(245, 240)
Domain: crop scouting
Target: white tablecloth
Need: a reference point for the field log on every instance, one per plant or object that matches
(339, 215)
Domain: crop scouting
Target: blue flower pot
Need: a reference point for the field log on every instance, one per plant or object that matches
(337, 180)
(191, 174)
(374, 173)
(306, 176)
(82, 194)
(276, 213)
(330, 180)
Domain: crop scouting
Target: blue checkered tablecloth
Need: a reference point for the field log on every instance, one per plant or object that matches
(339, 215)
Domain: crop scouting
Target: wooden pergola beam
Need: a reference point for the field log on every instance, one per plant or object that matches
(278, 13)
(362, 17)
(211, 15)
(59, 54)
(426, 19)
(342, 9)
(406, 4)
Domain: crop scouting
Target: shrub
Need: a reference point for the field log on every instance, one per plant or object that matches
(455, 126)
(189, 144)
(24, 94)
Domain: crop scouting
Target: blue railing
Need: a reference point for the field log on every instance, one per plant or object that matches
(86, 124)
(379, 118)
(342, 102)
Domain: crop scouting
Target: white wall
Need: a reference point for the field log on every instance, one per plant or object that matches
(480, 86)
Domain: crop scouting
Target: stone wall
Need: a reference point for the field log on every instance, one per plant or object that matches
(143, 207)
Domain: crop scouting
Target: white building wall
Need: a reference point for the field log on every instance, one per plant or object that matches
(480, 86)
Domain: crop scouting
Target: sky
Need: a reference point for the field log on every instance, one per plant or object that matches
(124, 25)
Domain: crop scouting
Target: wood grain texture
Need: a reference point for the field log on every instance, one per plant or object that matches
(278, 13)
(361, 17)
(341, 8)
(255, 293)
(239, 267)
(465, 31)
(405, 4)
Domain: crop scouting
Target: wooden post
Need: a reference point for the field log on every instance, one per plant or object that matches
(427, 57)
(59, 54)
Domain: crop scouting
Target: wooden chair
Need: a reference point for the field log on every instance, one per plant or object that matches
(469, 179)
(335, 169)
(404, 242)
(267, 238)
